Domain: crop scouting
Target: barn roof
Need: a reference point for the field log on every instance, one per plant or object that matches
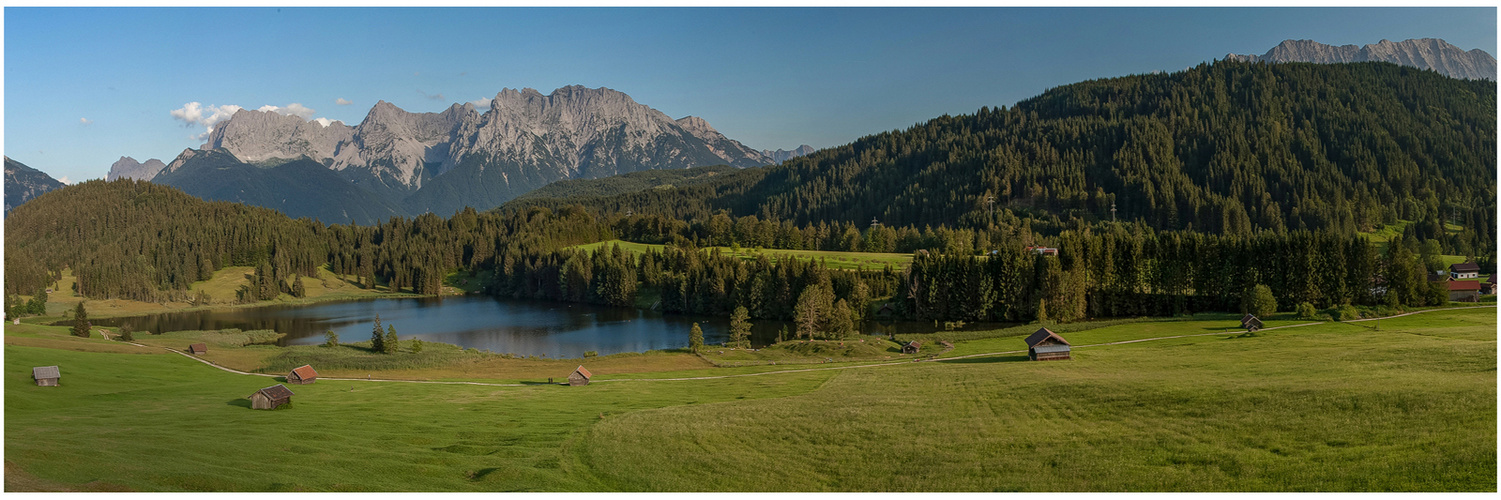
(1463, 286)
(915, 343)
(305, 372)
(42, 372)
(1041, 335)
(277, 391)
(198, 347)
(1050, 348)
(584, 371)
(1465, 267)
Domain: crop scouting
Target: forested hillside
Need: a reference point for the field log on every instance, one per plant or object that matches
(1225, 148)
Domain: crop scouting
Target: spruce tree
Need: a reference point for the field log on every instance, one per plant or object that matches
(391, 344)
(377, 337)
(80, 321)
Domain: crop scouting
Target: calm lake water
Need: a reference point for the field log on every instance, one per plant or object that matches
(500, 325)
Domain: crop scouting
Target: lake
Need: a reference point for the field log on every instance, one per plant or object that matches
(551, 329)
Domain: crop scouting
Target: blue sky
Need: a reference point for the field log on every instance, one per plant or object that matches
(84, 86)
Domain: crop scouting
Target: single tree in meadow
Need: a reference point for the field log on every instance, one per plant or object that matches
(1259, 301)
(416, 346)
(330, 339)
(695, 338)
(80, 321)
(126, 334)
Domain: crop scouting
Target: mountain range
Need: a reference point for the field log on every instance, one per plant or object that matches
(1425, 53)
(22, 183)
(442, 162)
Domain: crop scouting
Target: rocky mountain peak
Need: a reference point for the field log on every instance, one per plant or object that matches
(128, 168)
(1425, 53)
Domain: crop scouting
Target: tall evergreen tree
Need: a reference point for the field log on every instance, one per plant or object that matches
(80, 321)
(377, 337)
(695, 339)
(740, 327)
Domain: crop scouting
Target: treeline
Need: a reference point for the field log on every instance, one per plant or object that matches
(686, 280)
(1223, 148)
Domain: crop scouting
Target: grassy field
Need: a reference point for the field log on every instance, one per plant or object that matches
(834, 260)
(1327, 407)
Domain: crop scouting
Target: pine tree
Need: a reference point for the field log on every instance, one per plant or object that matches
(695, 339)
(391, 344)
(80, 321)
(377, 337)
(740, 327)
(297, 288)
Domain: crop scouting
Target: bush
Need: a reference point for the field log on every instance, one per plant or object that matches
(1345, 312)
(1306, 311)
(1259, 301)
(330, 339)
(125, 334)
(590, 354)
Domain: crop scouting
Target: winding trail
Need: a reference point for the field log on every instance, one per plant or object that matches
(800, 370)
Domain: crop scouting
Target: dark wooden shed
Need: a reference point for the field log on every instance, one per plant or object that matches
(46, 376)
(580, 376)
(199, 348)
(911, 347)
(304, 374)
(1251, 323)
(270, 397)
(1044, 345)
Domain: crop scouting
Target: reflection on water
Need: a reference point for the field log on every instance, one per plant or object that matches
(499, 325)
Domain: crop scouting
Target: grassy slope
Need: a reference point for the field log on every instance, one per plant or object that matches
(835, 260)
(1320, 408)
(1334, 407)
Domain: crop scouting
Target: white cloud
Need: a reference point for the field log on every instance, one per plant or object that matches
(343, 102)
(294, 109)
(325, 121)
(481, 103)
(64, 180)
(194, 113)
(85, 121)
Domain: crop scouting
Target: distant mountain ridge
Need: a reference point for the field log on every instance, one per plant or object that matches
(782, 155)
(441, 162)
(22, 183)
(1426, 53)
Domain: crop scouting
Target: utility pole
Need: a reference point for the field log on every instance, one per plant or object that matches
(1112, 211)
(874, 223)
(990, 205)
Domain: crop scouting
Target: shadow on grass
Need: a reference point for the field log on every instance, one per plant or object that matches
(241, 402)
(525, 382)
(988, 359)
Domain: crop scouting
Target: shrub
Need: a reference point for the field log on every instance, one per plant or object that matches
(1259, 301)
(1306, 311)
(590, 354)
(125, 334)
(330, 339)
(416, 346)
(1345, 312)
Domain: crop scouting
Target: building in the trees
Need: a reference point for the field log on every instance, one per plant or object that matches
(580, 376)
(1044, 345)
(1041, 250)
(911, 347)
(1439, 276)
(1464, 291)
(270, 397)
(1464, 270)
(46, 376)
(304, 374)
(199, 348)
(1251, 323)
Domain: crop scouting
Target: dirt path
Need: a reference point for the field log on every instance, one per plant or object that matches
(800, 370)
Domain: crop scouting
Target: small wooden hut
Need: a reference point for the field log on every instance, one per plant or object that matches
(580, 376)
(1044, 345)
(270, 397)
(46, 376)
(199, 348)
(304, 374)
(911, 347)
(1251, 323)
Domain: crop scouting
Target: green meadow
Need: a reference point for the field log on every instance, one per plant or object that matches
(1330, 407)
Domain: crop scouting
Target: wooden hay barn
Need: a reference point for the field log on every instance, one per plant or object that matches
(1251, 323)
(911, 347)
(580, 376)
(270, 397)
(1044, 345)
(1464, 291)
(46, 376)
(304, 374)
(199, 348)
